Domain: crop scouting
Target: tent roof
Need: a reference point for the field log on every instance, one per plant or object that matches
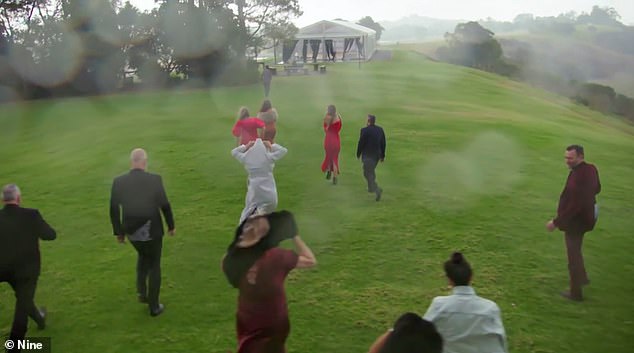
(333, 29)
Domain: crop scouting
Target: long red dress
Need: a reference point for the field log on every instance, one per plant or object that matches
(247, 129)
(262, 319)
(332, 145)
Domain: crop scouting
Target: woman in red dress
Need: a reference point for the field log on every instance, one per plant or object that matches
(332, 143)
(246, 128)
(257, 266)
(268, 115)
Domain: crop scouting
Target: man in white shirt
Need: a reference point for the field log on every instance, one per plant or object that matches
(467, 323)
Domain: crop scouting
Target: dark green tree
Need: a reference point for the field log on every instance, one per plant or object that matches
(367, 21)
(254, 16)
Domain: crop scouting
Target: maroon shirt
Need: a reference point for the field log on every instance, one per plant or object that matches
(576, 203)
(262, 318)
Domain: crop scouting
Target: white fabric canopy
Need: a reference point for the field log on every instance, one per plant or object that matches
(338, 31)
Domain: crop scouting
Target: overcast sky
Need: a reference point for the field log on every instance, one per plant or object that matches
(381, 10)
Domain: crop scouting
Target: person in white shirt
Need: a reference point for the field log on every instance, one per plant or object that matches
(258, 158)
(467, 323)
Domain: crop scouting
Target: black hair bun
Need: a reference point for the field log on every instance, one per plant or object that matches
(457, 258)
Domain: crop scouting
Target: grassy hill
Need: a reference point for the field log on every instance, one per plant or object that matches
(474, 163)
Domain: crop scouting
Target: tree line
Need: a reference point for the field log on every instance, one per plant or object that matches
(51, 48)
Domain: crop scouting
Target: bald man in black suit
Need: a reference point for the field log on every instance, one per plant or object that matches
(140, 196)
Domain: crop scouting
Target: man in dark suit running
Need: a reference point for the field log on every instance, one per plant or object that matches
(20, 231)
(140, 195)
(371, 149)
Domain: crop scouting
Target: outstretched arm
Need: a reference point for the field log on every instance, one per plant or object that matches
(306, 257)
(277, 151)
(239, 152)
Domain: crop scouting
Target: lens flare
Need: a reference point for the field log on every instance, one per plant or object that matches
(53, 64)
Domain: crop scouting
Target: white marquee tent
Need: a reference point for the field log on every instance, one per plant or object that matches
(334, 40)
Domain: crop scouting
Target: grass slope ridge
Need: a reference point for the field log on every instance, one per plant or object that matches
(474, 163)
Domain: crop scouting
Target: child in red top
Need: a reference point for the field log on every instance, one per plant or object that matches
(246, 128)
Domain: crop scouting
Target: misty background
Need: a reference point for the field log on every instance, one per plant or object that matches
(55, 48)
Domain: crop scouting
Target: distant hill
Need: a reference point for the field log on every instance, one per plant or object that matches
(585, 53)
(603, 57)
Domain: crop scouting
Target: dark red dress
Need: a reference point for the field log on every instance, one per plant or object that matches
(332, 145)
(262, 318)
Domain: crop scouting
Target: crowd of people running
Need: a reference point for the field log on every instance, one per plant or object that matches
(257, 266)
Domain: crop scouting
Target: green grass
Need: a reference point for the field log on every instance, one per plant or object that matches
(474, 163)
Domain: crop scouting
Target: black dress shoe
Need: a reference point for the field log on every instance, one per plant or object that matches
(158, 311)
(569, 296)
(41, 323)
(379, 192)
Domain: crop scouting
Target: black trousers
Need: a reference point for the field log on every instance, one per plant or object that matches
(24, 289)
(369, 165)
(148, 270)
(267, 88)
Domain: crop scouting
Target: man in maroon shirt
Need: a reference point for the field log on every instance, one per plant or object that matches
(576, 215)
(258, 267)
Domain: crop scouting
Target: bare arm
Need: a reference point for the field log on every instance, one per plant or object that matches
(277, 151)
(379, 343)
(306, 257)
(240, 151)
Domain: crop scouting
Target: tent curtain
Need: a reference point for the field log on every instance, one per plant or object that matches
(347, 45)
(305, 50)
(314, 45)
(330, 50)
(288, 48)
(360, 47)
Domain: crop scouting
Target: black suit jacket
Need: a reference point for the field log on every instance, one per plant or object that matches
(20, 231)
(140, 195)
(371, 142)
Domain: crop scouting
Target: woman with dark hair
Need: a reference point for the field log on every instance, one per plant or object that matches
(467, 322)
(332, 143)
(410, 334)
(246, 128)
(268, 115)
(258, 267)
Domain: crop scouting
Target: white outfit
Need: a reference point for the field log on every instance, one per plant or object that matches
(259, 163)
(468, 323)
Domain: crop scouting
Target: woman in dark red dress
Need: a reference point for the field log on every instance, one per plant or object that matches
(258, 267)
(332, 144)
